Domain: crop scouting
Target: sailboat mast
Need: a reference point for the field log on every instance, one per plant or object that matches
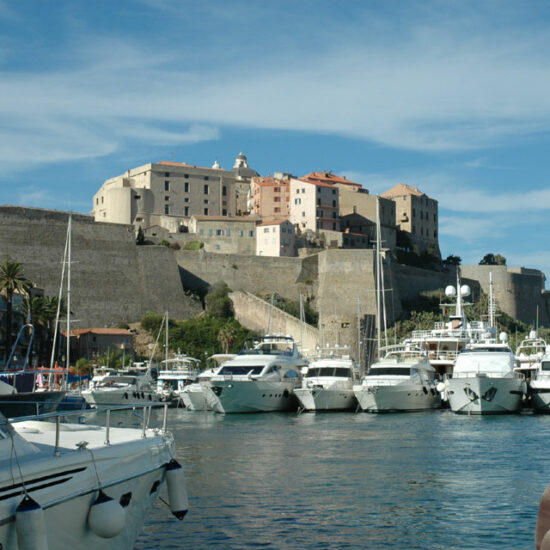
(378, 305)
(166, 345)
(69, 245)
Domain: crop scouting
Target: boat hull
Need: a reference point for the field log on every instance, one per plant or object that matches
(194, 398)
(485, 395)
(239, 396)
(326, 399)
(540, 395)
(31, 403)
(118, 397)
(396, 398)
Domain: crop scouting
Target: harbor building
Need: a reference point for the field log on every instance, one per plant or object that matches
(313, 205)
(270, 197)
(275, 238)
(91, 342)
(168, 193)
(416, 215)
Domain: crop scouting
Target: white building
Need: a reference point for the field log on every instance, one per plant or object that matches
(275, 238)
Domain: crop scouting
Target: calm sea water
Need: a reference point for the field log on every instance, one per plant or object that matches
(430, 480)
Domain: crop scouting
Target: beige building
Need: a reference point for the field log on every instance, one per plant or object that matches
(90, 342)
(416, 214)
(275, 238)
(314, 205)
(225, 235)
(270, 197)
(167, 193)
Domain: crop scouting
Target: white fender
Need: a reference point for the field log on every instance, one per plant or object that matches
(177, 493)
(106, 517)
(30, 525)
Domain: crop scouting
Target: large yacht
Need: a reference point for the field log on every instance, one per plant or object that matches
(328, 381)
(401, 381)
(262, 377)
(484, 380)
(175, 375)
(66, 486)
(529, 353)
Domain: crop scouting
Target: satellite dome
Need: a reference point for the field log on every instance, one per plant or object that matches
(450, 291)
(503, 337)
(465, 290)
(533, 334)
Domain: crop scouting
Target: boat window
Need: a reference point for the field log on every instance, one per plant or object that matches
(545, 365)
(240, 369)
(341, 372)
(485, 350)
(320, 371)
(291, 374)
(383, 371)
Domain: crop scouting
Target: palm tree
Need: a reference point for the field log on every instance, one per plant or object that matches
(12, 280)
(226, 337)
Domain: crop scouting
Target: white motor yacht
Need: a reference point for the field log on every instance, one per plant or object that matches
(328, 381)
(401, 381)
(539, 385)
(529, 354)
(484, 380)
(199, 396)
(175, 375)
(132, 385)
(65, 486)
(261, 378)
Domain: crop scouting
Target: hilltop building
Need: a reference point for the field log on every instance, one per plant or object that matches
(168, 193)
(416, 215)
(275, 238)
(270, 197)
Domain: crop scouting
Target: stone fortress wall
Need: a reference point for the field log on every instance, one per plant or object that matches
(114, 281)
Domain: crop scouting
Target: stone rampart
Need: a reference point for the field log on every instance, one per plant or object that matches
(112, 279)
(257, 314)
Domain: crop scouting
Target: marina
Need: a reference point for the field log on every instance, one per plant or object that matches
(425, 480)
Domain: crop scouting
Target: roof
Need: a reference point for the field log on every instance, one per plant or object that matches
(269, 182)
(107, 331)
(274, 222)
(185, 165)
(316, 183)
(329, 177)
(402, 189)
(225, 218)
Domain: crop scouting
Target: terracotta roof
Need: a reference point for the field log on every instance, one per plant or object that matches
(329, 177)
(273, 222)
(270, 182)
(225, 218)
(108, 331)
(316, 183)
(402, 189)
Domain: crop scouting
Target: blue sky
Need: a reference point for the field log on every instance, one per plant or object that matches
(452, 97)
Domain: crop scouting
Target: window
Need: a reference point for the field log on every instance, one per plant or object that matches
(166, 174)
(205, 178)
(303, 214)
(228, 232)
(334, 203)
(186, 187)
(277, 199)
(167, 209)
(274, 230)
(167, 186)
(210, 232)
(101, 200)
(217, 247)
(303, 189)
(318, 202)
(277, 190)
(205, 201)
(166, 198)
(334, 215)
(206, 189)
(318, 189)
(224, 191)
(186, 199)
(333, 225)
(297, 191)
(219, 232)
(276, 209)
(201, 232)
(206, 211)
(266, 229)
(241, 233)
(186, 211)
(224, 212)
(97, 201)
(186, 176)
(137, 197)
(414, 213)
(297, 201)
(251, 233)
(334, 191)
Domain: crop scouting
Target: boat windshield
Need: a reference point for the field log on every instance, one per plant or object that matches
(111, 380)
(269, 346)
(545, 365)
(384, 371)
(486, 349)
(240, 369)
(327, 371)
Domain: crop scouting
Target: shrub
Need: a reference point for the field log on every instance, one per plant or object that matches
(218, 303)
(194, 245)
(151, 321)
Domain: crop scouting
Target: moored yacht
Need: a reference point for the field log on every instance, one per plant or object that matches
(175, 375)
(401, 381)
(529, 353)
(539, 385)
(328, 381)
(66, 486)
(484, 380)
(261, 378)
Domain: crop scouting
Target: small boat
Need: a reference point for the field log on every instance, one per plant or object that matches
(539, 385)
(66, 486)
(198, 396)
(261, 378)
(174, 375)
(401, 381)
(328, 381)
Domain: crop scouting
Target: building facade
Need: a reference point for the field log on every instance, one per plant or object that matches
(275, 238)
(270, 198)
(416, 214)
(167, 193)
(91, 342)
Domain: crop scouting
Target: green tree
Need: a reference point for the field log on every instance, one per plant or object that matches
(12, 280)
(493, 259)
(226, 336)
(452, 260)
(218, 302)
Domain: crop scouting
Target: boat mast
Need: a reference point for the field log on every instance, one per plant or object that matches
(491, 302)
(166, 345)
(69, 238)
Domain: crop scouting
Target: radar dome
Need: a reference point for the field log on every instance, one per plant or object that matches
(450, 291)
(503, 337)
(533, 334)
(465, 290)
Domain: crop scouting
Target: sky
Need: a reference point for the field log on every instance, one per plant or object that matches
(449, 96)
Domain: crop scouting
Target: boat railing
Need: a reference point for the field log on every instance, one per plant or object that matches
(477, 373)
(60, 419)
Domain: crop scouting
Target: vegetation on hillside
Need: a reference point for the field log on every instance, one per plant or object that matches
(292, 307)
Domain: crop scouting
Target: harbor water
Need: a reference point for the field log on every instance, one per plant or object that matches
(432, 480)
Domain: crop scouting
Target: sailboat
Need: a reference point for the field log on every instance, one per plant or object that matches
(402, 379)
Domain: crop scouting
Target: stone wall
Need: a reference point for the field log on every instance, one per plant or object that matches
(112, 279)
(257, 314)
